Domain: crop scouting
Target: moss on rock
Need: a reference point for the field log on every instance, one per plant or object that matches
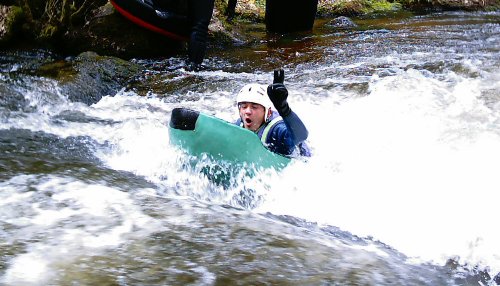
(330, 8)
(10, 22)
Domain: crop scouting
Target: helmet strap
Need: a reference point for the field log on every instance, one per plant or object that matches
(268, 115)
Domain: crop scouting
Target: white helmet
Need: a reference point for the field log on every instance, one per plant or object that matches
(256, 93)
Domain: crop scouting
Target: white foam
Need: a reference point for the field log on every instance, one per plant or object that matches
(89, 216)
(413, 164)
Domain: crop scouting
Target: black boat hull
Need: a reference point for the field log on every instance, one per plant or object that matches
(146, 14)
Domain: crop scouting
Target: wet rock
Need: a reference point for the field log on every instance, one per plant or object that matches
(342, 22)
(89, 77)
(11, 99)
(10, 17)
(99, 76)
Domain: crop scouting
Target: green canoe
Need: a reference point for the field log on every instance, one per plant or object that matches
(200, 134)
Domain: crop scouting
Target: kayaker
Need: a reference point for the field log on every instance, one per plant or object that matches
(265, 111)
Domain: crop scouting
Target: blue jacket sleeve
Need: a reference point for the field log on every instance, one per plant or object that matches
(297, 128)
(285, 136)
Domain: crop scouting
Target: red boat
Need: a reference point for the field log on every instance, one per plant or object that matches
(168, 21)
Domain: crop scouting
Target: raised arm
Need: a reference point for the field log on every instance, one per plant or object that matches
(278, 94)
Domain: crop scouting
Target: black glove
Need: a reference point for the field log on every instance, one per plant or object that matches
(278, 93)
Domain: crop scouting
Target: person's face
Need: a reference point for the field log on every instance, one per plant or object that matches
(252, 115)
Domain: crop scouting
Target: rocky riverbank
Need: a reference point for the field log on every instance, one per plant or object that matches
(79, 26)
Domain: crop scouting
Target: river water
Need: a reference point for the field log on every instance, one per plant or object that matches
(402, 188)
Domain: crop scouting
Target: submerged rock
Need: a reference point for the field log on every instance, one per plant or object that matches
(97, 76)
(342, 22)
(89, 77)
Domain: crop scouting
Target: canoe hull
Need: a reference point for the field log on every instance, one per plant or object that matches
(145, 14)
(203, 135)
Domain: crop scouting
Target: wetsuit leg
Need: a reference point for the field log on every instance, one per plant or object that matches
(231, 9)
(200, 14)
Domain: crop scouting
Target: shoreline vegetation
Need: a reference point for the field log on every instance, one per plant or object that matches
(73, 27)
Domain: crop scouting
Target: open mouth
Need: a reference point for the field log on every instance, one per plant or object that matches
(248, 121)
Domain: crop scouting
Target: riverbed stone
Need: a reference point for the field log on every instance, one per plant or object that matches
(342, 22)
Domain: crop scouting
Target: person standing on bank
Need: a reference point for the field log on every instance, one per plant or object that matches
(199, 15)
(231, 9)
(265, 111)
